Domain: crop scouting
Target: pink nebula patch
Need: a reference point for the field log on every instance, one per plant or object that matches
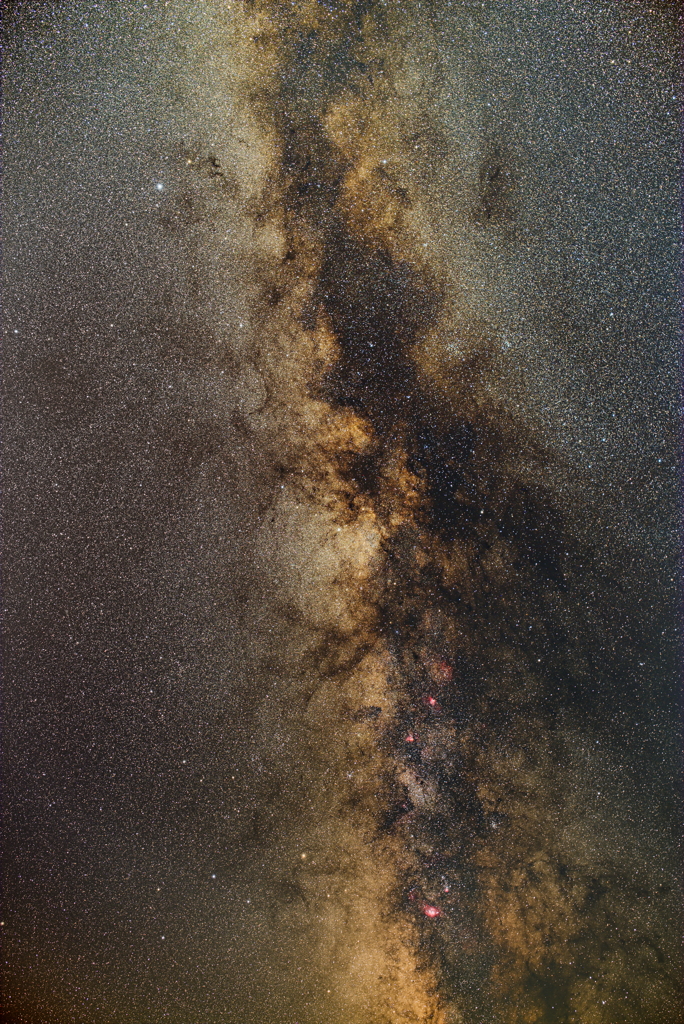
(432, 703)
(439, 670)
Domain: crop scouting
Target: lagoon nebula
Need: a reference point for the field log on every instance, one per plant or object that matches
(342, 602)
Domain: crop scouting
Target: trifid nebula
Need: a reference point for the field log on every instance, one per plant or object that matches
(342, 577)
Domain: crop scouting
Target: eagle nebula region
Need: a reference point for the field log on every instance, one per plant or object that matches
(342, 595)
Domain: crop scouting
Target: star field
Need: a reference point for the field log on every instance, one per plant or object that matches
(342, 488)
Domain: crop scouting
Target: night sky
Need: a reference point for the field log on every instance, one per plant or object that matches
(342, 489)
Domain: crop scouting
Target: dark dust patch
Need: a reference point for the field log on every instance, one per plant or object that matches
(496, 192)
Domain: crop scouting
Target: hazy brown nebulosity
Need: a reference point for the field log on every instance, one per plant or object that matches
(460, 637)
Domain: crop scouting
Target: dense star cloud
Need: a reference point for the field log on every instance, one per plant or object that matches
(342, 497)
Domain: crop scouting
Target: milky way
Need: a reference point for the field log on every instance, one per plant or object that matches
(343, 645)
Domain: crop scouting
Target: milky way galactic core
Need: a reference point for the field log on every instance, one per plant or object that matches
(343, 617)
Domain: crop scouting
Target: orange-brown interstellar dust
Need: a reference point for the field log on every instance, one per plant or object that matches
(437, 567)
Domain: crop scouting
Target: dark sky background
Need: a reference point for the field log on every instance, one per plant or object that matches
(342, 362)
